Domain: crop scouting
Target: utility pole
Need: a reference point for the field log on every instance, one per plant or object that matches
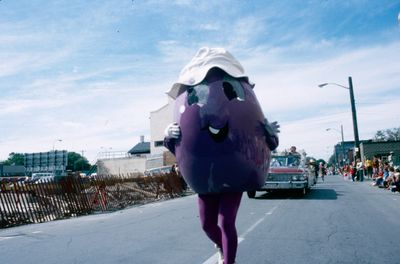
(355, 126)
(341, 131)
(353, 113)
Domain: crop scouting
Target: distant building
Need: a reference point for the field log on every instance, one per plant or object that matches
(136, 161)
(159, 120)
(140, 148)
(344, 152)
(12, 170)
(144, 155)
(55, 162)
(385, 150)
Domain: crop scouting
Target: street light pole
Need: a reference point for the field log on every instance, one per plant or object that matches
(341, 131)
(354, 115)
(342, 143)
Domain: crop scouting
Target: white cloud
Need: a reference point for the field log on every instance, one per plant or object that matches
(184, 2)
(114, 113)
(74, 78)
(310, 133)
(210, 27)
(290, 91)
(21, 105)
(295, 85)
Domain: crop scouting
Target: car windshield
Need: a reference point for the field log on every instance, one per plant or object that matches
(285, 161)
(293, 160)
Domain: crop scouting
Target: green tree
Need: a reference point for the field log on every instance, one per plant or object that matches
(379, 136)
(76, 162)
(15, 159)
(332, 159)
(387, 134)
(393, 134)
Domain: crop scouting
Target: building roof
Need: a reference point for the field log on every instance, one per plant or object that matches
(140, 148)
(391, 142)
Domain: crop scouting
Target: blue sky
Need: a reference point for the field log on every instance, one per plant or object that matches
(90, 72)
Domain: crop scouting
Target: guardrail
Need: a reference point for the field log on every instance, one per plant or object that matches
(24, 202)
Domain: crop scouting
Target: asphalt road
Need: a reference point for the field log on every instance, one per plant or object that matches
(337, 222)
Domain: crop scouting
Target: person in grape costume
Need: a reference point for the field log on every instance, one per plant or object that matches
(221, 140)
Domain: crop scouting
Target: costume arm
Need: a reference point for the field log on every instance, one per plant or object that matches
(271, 134)
(169, 143)
(172, 135)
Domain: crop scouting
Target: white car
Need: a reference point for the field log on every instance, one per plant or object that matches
(45, 179)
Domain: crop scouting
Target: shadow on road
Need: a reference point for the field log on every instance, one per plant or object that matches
(322, 194)
(314, 194)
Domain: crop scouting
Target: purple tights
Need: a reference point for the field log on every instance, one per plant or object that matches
(222, 207)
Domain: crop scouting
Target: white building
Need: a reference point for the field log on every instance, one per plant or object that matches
(159, 120)
(144, 155)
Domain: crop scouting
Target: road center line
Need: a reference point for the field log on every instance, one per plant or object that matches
(5, 238)
(214, 258)
(251, 228)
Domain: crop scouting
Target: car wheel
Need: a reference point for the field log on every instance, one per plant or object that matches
(301, 192)
(251, 194)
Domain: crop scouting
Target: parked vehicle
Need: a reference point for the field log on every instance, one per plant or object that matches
(288, 172)
(41, 175)
(158, 171)
(8, 183)
(44, 179)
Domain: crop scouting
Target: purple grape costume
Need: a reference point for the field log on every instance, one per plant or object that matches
(221, 140)
(224, 146)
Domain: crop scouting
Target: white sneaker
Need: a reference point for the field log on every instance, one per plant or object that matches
(220, 255)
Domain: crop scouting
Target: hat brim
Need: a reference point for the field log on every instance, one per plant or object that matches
(181, 85)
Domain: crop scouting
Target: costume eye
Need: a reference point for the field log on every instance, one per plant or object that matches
(192, 96)
(233, 89)
(198, 94)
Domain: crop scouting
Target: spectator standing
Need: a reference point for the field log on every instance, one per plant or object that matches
(346, 171)
(322, 171)
(353, 171)
(360, 170)
(390, 159)
(368, 167)
(314, 168)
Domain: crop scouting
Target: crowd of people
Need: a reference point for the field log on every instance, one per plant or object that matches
(382, 173)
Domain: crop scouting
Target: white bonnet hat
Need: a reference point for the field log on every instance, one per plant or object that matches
(205, 59)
